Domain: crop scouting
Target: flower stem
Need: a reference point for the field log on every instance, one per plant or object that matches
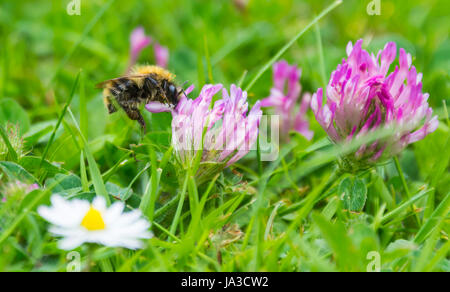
(402, 176)
(405, 185)
(173, 227)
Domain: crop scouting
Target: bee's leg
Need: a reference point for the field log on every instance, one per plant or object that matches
(136, 115)
(109, 105)
(133, 154)
(142, 122)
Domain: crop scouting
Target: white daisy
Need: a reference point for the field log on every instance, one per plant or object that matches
(79, 221)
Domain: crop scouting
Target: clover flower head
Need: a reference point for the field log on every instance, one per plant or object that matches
(283, 98)
(223, 132)
(17, 190)
(362, 96)
(139, 41)
(79, 221)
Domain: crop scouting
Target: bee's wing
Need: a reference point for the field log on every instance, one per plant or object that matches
(106, 82)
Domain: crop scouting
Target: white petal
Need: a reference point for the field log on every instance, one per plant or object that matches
(64, 213)
(113, 212)
(70, 243)
(99, 204)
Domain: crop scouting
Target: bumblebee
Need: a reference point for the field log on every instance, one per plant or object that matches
(143, 85)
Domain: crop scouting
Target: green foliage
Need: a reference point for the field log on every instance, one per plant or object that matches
(16, 172)
(353, 192)
(11, 112)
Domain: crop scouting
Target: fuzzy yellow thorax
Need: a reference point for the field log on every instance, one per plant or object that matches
(151, 69)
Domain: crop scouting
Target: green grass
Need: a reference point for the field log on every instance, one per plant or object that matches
(289, 212)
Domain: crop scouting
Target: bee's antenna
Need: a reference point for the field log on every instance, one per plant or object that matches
(182, 89)
(180, 92)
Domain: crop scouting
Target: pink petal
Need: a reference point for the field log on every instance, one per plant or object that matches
(161, 55)
(138, 41)
(157, 107)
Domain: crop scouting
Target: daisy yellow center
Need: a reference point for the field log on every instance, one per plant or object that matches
(93, 220)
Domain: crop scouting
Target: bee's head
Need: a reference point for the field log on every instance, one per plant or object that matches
(172, 94)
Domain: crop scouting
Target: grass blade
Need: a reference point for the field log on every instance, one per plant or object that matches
(321, 56)
(394, 213)
(435, 220)
(441, 254)
(60, 118)
(83, 107)
(291, 42)
(11, 152)
(83, 174)
(173, 227)
(96, 176)
(441, 164)
(128, 192)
